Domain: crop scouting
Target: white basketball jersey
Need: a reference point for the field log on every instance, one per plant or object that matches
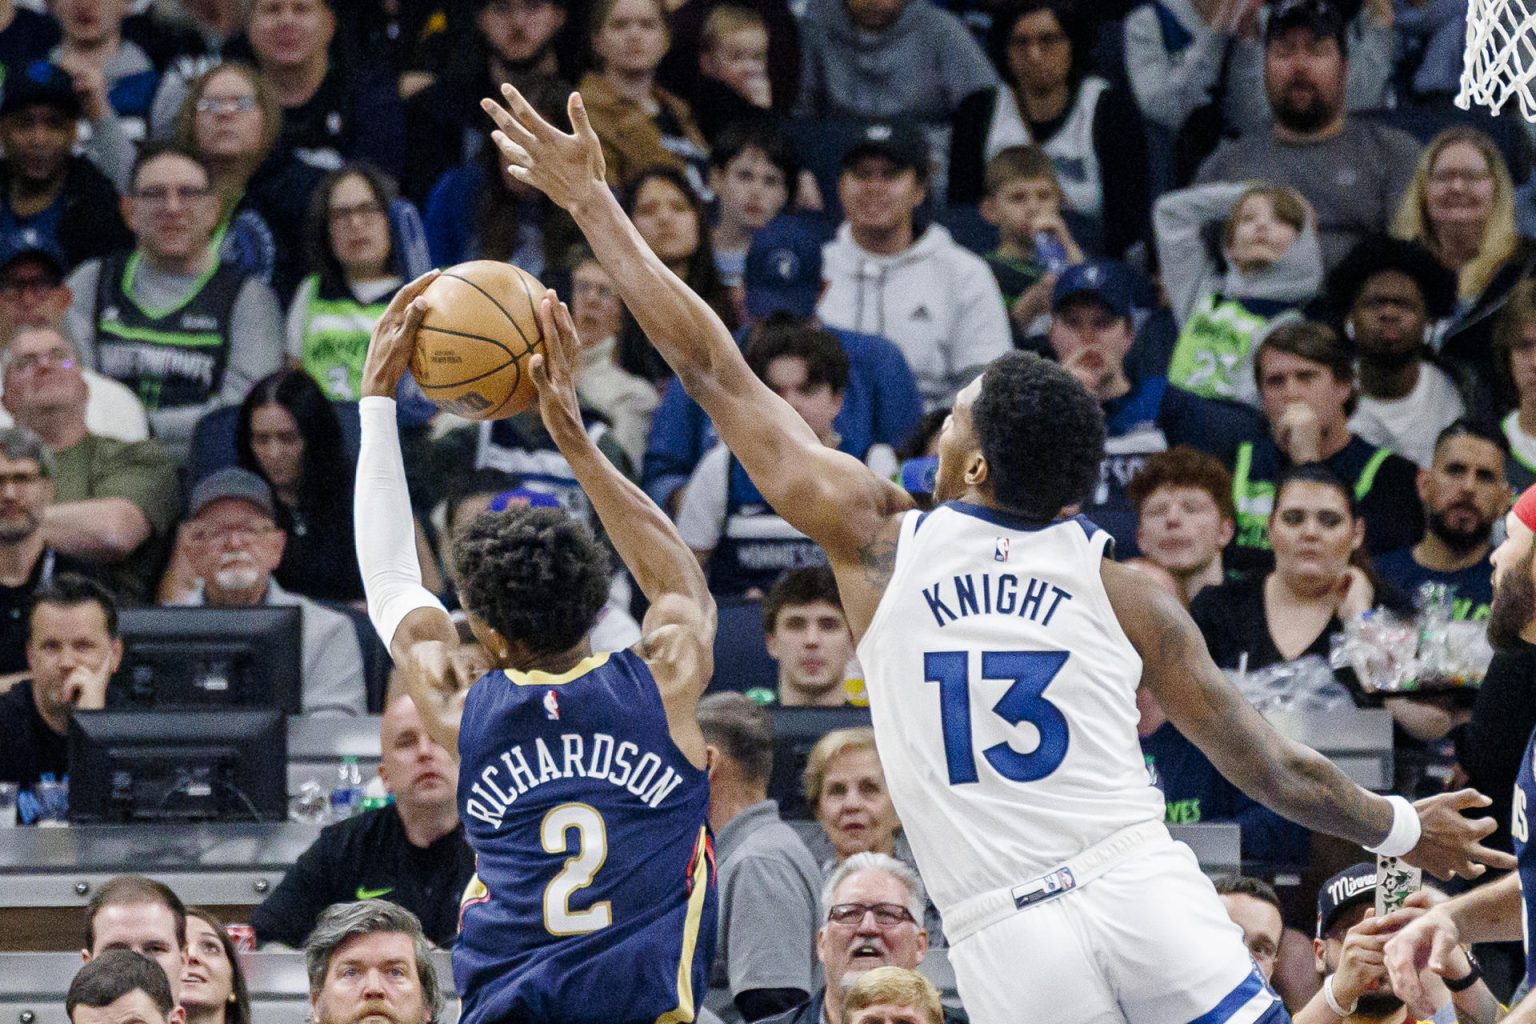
(1003, 694)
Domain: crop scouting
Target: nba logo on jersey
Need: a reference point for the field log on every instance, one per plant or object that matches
(1000, 551)
(551, 706)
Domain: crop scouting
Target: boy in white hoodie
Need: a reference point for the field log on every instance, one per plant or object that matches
(937, 301)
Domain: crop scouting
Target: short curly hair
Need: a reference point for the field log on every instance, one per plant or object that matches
(1042, 435)
(535, 575)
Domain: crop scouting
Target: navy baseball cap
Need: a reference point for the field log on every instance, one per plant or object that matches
(900, 142)
(28, 243)
(40, 83)
(1108, 281)
(1320, 16)
(1349, 888)
(783, 271)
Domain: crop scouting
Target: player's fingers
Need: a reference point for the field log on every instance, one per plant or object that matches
(556, 354)
(406, 295)
(525, 114)
(504, 120)
(540, 373)
(1440, 952)
(1464, 799)
(512, 151)
(576, 108)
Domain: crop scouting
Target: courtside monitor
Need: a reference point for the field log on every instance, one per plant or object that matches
(220, 657)
(178, 766)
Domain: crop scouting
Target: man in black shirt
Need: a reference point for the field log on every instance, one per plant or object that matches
(411, 853)
(1306, 378)
(26, 560)
(72, 650)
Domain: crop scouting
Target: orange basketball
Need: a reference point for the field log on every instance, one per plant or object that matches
(480, 330)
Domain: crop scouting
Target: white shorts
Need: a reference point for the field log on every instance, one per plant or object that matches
(1146, 942)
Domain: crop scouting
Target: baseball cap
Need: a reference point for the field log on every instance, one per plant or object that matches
(783, 271)
(1108, 281)
(31, 244)
(1350, 887)
(1321, 16)
(232, 482)
(898, 141)
(40, 84)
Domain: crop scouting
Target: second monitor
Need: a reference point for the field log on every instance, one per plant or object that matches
(219, 657)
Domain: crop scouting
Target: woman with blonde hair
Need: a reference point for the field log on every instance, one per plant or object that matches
(1460, 206)
(231, 119)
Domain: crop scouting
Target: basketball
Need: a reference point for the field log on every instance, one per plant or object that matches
(473, 346)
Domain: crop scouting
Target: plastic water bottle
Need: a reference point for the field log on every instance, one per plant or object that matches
(1050, 253)
(348, 792)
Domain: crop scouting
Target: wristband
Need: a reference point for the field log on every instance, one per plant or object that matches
(1405, 832)
(1333, 1000)
(1462, 984)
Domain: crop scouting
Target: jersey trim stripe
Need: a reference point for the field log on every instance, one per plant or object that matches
(538, 677)
(1246, 1004)
(683, 1013)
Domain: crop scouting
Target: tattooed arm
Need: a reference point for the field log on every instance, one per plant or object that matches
(1288, 778)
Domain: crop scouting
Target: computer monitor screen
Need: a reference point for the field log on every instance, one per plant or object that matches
(196, 657)
(229, 765)
(795, 733)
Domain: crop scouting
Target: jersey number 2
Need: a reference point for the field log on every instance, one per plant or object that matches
(1024, 701)
(590, 853)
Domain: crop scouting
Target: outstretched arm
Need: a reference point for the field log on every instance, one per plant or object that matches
(1285, 776)
(412, 622)
(644, 537)
(827, 495)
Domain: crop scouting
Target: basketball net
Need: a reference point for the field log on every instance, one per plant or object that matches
(1500, 60)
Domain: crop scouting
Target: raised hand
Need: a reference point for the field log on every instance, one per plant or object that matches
(567, 167)
(1423, 946)
(1450, 844)
(554, 369)
(394, 338)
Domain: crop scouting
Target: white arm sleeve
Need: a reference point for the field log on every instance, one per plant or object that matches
(381, 518)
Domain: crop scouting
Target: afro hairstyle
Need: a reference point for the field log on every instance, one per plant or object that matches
(535, 575)
(1042, 435)
(1378, 254)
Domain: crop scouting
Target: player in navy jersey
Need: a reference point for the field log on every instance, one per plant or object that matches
(582, 781)
(1501, 911)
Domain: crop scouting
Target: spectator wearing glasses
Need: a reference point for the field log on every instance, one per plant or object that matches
(27, 560)
(167, 317)
(873, 907)
(114, 502)
(33, 294)
(231, 119)
(234, 545)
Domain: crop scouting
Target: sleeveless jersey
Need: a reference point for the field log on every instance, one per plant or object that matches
(594, 893)
(170, 357)
(335, 341)
(756, 545)
(1525, 850)
(1003, 695)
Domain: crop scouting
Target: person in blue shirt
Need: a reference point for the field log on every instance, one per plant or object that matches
(881, 403)
(1464, 493)
(1091, 335)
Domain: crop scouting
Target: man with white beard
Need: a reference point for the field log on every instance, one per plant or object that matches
(234, 545)
(873, 917)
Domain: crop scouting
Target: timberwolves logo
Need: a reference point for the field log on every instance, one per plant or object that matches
(784, 264)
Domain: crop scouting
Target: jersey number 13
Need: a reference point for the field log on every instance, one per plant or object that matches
(1031, 672)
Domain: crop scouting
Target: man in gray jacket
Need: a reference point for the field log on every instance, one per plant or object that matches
(768, 879)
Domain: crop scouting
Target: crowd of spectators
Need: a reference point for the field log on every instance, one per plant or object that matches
(1297, 278)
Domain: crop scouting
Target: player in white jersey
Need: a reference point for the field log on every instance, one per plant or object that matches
(1002, 652)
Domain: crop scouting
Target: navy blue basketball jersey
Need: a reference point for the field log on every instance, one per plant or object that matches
(1525, 850)
(594, 892)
